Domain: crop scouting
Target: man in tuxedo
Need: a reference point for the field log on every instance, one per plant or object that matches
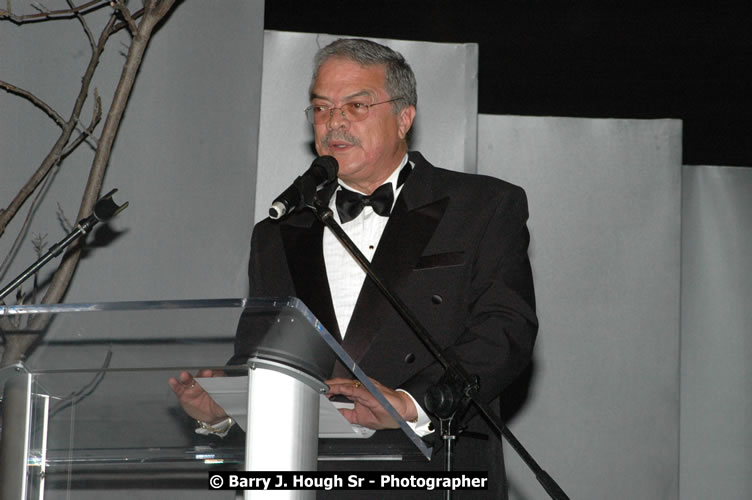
(452, 246)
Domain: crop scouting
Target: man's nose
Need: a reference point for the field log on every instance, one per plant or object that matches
(337, 118)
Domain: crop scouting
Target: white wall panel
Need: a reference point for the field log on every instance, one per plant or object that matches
(603, 409)
(716, 401)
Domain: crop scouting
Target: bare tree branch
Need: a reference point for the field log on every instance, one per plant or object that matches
(153, 12)
(34, 100)
(134, 15)
(45, 14)
(67, 225)
(119, 5)
(158, 8)
(85, 134)
(24, 227)
(84, 25)
(55, 154)
(41, 8)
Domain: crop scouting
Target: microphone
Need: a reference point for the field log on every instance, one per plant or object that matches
(322, 170)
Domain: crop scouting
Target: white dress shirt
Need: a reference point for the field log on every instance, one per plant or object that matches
(345, 275)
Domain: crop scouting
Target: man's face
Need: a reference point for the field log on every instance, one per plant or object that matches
(369, 150)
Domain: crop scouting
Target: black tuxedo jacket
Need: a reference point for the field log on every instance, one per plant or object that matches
(455, 251)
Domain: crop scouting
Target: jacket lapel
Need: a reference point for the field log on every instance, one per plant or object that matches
(303, 243)
(412, 223)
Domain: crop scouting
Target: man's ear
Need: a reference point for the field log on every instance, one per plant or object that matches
(406, 117)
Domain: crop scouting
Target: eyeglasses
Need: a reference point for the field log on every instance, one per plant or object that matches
(354, 111)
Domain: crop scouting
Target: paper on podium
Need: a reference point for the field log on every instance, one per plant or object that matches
(231, 393)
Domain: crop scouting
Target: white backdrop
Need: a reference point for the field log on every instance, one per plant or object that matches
(716, 401)
(603, 410)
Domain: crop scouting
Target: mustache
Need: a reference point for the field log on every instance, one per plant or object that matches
(339, 135)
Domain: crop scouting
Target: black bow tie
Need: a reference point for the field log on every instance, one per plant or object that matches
(350, 204)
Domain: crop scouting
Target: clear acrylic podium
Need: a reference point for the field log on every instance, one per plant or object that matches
(91, 409)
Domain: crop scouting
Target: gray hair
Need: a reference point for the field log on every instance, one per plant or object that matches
(400, 79)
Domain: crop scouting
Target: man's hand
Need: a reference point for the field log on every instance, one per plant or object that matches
(195, 400)
(367, 411)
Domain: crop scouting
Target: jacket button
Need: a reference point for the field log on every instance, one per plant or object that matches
(409, 358)
(437, 299)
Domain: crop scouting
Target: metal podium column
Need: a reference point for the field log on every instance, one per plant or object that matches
(16, 421)
(283, 423)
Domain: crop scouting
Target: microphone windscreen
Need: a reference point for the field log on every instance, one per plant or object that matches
(325, 168)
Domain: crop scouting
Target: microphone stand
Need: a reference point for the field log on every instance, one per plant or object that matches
(457, 388)
(104, 210)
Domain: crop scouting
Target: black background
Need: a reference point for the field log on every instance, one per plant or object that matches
(581, 59)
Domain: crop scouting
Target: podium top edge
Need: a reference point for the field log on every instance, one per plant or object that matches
(229, 303)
